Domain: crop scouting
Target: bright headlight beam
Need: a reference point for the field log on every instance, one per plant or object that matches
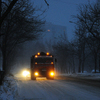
(52, 73)
(25, 73)
(36, 73)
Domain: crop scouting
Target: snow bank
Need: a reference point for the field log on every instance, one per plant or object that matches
(83, 75)
(8, 91)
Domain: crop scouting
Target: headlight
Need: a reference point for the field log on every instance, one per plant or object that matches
(52, 73)
(25, 73)
(36, 74)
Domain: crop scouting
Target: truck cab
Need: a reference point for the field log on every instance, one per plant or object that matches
(42, 65)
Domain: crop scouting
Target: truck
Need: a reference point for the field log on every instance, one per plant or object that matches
(42, 65)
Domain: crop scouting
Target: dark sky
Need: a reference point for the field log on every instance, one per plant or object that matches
(59, 12)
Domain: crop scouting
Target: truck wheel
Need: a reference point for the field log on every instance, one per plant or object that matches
(33, 77)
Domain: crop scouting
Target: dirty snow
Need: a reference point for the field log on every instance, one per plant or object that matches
(8, 91)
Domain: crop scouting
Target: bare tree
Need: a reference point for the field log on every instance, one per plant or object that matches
(80, 33)
(8, 9)
(88, 31)
(89, 15)
(19, 26)
(65, 53)
(94, 46)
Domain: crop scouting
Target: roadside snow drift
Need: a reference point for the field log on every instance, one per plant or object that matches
(8, 91)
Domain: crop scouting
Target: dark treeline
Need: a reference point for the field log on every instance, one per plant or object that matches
(19, 23)
(83, 53)
(19, 26)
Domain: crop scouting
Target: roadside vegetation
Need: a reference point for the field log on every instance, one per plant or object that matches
(83, 52)
(19, 23)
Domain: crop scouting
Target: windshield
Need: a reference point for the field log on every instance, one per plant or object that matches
(44, 60)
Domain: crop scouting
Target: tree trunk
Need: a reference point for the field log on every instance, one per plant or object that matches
(80, 61)
(4, 62)
(79, 55)
(95, 62)
(73, 65)
(1, 77)
(7, 11)
(3, 66)
(83, 57)
(83, 61)
(99, 62)
(83, 65)
(79, 68)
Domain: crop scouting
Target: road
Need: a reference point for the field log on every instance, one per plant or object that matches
(58, 89)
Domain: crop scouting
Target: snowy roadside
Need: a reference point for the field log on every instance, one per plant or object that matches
(94, 76)
(8, 91)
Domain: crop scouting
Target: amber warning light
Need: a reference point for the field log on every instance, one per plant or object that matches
(47, 53)
(36, 56)
(38, 53)
(51, 62)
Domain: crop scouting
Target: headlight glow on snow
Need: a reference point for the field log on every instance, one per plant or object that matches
(25, 73)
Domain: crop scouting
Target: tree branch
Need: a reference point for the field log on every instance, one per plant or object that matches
(7, 11)
(46, 2)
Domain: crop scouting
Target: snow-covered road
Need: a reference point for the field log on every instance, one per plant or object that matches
(43, 89)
